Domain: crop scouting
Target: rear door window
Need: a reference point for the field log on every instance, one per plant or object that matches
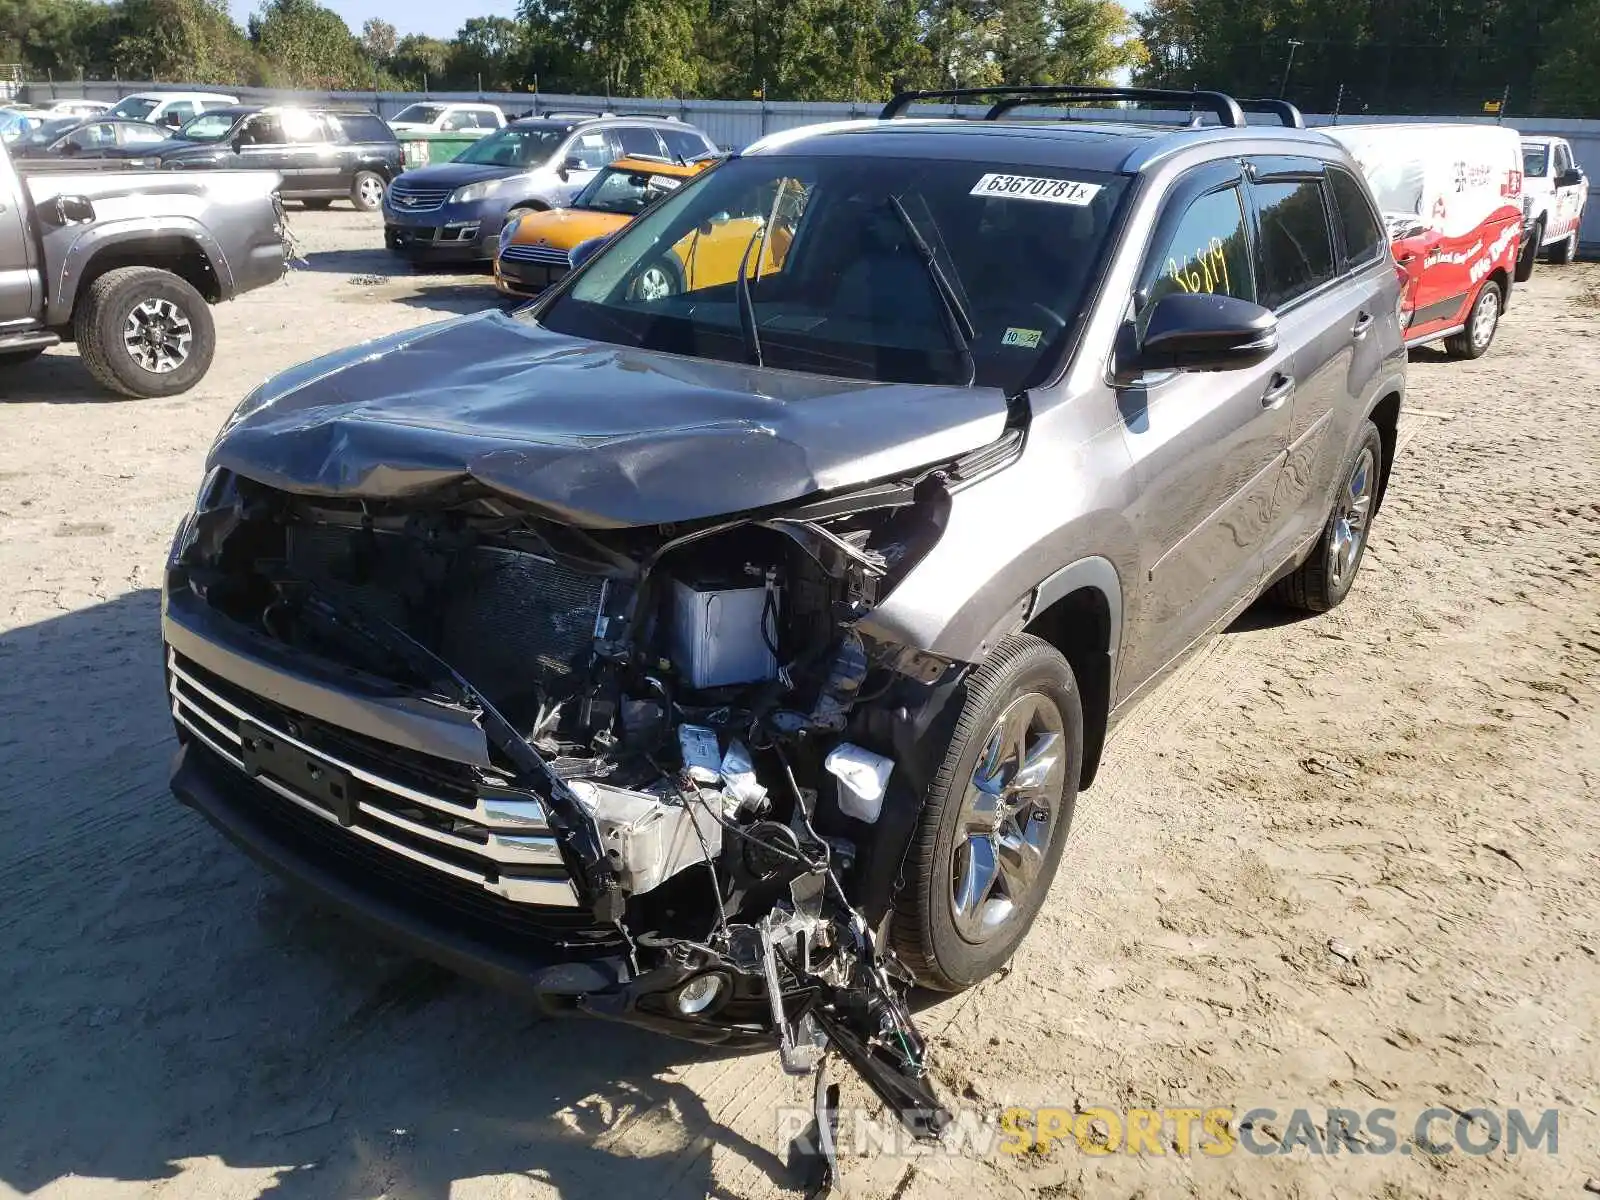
(1296, 239)
(681, 143)
(639, 140)
(1363, 236)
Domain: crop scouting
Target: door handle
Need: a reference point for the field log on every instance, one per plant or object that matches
(1363, 323)
(1279, 390)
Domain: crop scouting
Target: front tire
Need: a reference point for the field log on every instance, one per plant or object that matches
(1475, 339)
(994, 820)
(366, 191)
(1530, 254)
(1325, 578)
(144, 332)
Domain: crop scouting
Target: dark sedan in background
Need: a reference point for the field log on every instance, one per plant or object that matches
(323, 154)
(72, 137)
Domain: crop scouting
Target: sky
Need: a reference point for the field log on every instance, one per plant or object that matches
(408, 16)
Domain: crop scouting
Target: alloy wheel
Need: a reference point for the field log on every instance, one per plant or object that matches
(371, 190)
(655, 284)
(158, 336)
(1007, 816)
(1350, 520)
(1485, 316)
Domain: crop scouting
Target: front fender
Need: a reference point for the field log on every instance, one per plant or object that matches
(70, 251)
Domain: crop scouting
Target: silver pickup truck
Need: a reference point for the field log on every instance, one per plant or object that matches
(126, 263)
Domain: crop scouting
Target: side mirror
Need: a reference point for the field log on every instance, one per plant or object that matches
(1571, 177)
(1194, 331)
(71, 148)
(584, 251)
(238, 142)
(70, 210)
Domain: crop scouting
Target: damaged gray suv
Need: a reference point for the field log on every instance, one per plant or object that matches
(724, 650)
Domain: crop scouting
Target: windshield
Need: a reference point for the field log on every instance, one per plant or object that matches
(514, 146)
(420, 114)
(208, 127)
(620, 190)
(1535, 159)
(135, 108)
(912, 271)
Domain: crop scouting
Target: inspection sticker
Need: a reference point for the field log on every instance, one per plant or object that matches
(1028, 339)
(1029, 187)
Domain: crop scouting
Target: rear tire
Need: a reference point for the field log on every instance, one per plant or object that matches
(1566, 252)
(1530, 254)
(1325, 578)
(144, 332)
(1482, 321)
(988, 841)
(366, 191)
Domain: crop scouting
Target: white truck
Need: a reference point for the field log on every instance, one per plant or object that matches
(1554, 190)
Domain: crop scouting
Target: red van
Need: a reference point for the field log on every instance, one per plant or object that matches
(1452, 198)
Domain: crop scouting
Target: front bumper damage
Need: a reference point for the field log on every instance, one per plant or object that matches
(421, 810)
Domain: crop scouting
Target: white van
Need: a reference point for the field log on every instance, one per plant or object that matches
(1451, 196)
(1554, 190)
(168, 108)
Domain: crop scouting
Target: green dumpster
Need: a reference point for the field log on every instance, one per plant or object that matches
(424, 149)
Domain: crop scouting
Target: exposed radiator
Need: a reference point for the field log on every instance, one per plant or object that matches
(509, 620)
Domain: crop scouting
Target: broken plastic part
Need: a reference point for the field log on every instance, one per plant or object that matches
(702, 757)
(648, 840)
(863, 778)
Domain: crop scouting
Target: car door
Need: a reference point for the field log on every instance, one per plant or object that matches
(135, 140)
(1323, 272)
(264, 146)
(1207, 448)
(19, 281)
(314, 153)
(1571, 190)
(587, 153)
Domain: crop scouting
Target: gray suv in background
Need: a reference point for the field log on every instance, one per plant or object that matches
(454, 211)
(725, 658)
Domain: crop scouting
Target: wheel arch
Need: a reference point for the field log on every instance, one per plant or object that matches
(190, 254)
(1385, 414)
(1078, 610)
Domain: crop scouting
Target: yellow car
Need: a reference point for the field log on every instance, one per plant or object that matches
(535, 250)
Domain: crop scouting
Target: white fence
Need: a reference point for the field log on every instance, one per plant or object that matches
(736, 123)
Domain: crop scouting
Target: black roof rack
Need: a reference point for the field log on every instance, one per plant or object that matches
(1286, 113)
(1225, 107)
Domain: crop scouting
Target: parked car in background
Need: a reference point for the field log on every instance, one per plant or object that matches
(674, 657)
(82, 109)
(168, 108)
(440, 117)
(535, 248)
(17, 123)
(455, 210)
(1451, 196)
(69, 137)
(1554, 192)
(323, 154)
(126, 264)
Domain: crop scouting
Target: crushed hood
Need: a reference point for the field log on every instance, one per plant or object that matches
(597, 435)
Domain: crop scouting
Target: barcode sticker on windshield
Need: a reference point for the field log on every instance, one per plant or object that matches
(1028, 187)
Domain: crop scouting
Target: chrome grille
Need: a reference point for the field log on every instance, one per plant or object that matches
(547, 256)
(497, 839)
(405, 197)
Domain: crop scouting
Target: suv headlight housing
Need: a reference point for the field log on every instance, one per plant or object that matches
(476, 191)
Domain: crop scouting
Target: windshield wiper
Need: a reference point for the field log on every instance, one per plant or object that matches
(956, 321)
(747, 306)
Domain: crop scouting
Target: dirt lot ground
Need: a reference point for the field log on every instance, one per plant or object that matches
(1346, 862)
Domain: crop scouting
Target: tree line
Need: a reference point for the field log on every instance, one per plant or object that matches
(784, 49)
(1420, 56)
(1438, 57)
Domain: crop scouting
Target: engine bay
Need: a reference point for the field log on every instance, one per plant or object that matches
(694, 704)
